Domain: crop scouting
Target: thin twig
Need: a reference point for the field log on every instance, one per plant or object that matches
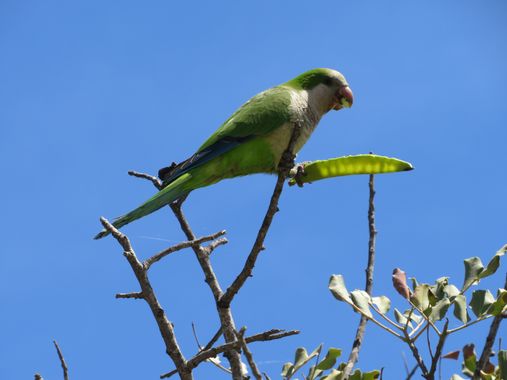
(426, 326)
(286, 163)
(217, 335)
(415, 353)
(156, 182)
(451, 331)
(389, 330)
(384, 317)
(356, 346)
(490, 339)
(428, 342)
(438, 350)
(248, 355)
(425, 317)
(215, 244)
(62, 361)
(165, 326)
(412, 373)
(134, 295)
(418, 326)
(405, 364)
(212, 352)
(177, 247)
(214, 339)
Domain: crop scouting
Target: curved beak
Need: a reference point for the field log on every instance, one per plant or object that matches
(344, 98)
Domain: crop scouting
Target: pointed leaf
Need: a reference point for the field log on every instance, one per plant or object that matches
(400, 283)
(451, 291)
(337, 287)
(454, 355)
(362, 300)
(313, 373)
(330, 359)
(420, 298)
(414, 282)
(349, 165)
(494, 263)
(438, 289)
(334, 375)
(300, 357)
(439, 310)
(400, 318)
(372, 375)
(481, 301)
(473, 267)
(460, 308)
(382, 303)
(499, 305)
(287, 369)
(413, 316)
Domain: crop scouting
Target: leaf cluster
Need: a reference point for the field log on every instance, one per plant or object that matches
(428, 303)
(323, 369)
(469, 364)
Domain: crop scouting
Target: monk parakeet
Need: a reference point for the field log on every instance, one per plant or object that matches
(253, 139)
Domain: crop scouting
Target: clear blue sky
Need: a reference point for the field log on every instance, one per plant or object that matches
(92, 89)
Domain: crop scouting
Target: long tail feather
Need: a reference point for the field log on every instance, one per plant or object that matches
(170, 193)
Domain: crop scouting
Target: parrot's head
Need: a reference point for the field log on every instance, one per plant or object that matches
(327, 89)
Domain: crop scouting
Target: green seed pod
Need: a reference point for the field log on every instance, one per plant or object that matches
(348, 165)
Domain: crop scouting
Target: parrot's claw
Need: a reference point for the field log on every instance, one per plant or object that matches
(300, 173)
(287, 162)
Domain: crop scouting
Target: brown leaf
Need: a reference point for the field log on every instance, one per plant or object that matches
(400, 283)
(454, 355)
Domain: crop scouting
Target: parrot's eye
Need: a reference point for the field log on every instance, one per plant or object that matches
(327, 81)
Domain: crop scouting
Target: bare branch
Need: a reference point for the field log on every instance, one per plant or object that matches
(412, 373)
(286, 163)
(415, 353)
(62, 361)
(215, 244)
(165, 326)
(356, 346)
(121, 238)
(224, 313)
(156, 182)
(153, 259)
(212, 352)
(438, 350)
(135, 295)
(214, 339)
(248, 354)
(271, 335)
(490, 339)
(222, 299)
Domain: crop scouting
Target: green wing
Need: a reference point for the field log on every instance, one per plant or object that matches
(260, 115)
(257, 117)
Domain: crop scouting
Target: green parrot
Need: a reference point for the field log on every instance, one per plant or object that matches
(253, 139)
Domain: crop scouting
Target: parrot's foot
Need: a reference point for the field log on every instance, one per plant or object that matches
(300, 173)
(286, 162)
